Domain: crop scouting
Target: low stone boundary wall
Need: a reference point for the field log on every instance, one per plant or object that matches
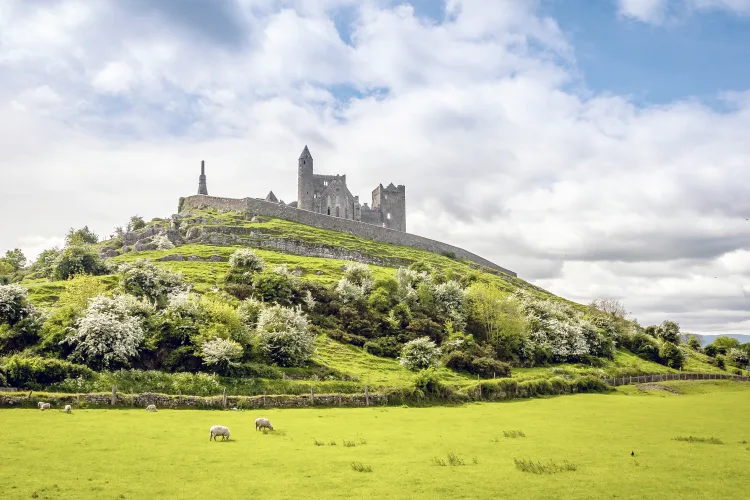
(368, 231)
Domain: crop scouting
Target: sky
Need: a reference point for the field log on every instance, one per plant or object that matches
(598, 149)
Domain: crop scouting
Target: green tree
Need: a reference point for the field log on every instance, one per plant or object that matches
(136, 222)
(15, 259)
(79, 237)
(669, 331)
(78, 260)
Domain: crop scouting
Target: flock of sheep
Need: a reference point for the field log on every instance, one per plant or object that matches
(215, 431)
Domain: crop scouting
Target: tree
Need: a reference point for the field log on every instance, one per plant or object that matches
(694, 343)
(610, 306)
(498, 313)
(15, 259)
(356, 282)
(136, 222)
(669, 331)
(420, 354)
(671, 355)
(284, 336)
(46, 262)
(723, 344)
(83, 236)
(77, 260)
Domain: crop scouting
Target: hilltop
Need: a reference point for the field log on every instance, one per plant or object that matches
(265, 305)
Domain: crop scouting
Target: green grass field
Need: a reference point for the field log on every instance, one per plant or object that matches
(135, 454)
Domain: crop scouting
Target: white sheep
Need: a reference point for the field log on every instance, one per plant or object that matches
(45, 406)
(151, 408)
(68, 408)
(263, 423)
(219, 430)
(39, 404)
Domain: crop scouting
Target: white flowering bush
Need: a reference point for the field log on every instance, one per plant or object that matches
(420, 354)
(143, 278)
(14, 304)
(559, 333)
(162, 242)
(284, 336)
(737, 357)
(249, 310)
(356, 283)
(109, 333)
(221, 353)
(246, 260)
(184, 304)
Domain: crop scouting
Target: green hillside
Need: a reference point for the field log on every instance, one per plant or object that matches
(189, 289)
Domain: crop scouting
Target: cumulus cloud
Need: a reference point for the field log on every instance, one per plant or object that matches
(109, 109)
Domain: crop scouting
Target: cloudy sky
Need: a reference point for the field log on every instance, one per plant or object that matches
(599, 149)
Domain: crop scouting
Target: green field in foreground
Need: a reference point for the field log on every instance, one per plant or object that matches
(136, 454)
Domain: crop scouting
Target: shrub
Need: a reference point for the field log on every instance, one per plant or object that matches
(108, 334)
(221, 353)
(14, 304)
(737, 357)
(721, 361)
(284, 336)
(671, 355)
(246, 260)
(143, 278)
(419, 354)
(162, 242)
(38, 373)
(356, 282)
(135, 223)
(249, 310)
(75, 260)
(483, 366)
(711, 350)
(694, 343)
(386, 347)
(269, 286)
(83, 236)
(427, 382)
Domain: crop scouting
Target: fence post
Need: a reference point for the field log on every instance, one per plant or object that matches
(264, 399)
(224, 398)
(179, 397)
(114, 395)
(78, 400)
(339, 399)
(367, 396)
(312, 397)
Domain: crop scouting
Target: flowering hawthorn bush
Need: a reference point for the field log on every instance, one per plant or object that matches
(284, 335)
(420, 354)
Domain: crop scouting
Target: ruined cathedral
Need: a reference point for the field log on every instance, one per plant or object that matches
(328, 195)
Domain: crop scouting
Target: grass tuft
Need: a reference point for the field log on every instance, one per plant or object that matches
(349, 444)
(692, 439)
(453, 460)
(514, 434)
(360, 467)
(319, 443)
(540, 468)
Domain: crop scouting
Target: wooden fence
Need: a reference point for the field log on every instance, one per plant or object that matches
(643, 379)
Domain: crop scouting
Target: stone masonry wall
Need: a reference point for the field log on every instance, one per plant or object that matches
(376, 233)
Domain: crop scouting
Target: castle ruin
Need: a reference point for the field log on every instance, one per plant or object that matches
(329, 195)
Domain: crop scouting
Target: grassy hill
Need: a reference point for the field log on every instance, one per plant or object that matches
(200, 248)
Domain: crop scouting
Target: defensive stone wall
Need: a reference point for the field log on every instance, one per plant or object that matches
(254, 206)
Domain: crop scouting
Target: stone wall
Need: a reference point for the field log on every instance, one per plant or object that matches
(376, 233)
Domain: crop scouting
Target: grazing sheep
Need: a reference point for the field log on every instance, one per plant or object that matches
(219, 430)
(45, 406)
(263, 423)
(40, 403)
(68, 408)
(151, 408)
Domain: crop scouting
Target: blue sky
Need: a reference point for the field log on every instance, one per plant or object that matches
(582, 143)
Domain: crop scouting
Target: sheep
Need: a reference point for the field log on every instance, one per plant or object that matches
(219, 430)
(151, 408)
(45, 406)
(263, 423)
(39, 404)
(68, 408)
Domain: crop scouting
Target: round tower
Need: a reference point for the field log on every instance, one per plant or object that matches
(305, 194)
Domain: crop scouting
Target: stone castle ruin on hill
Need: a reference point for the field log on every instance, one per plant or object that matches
(324, 201)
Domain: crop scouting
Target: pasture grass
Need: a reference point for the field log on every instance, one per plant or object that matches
(93, 454)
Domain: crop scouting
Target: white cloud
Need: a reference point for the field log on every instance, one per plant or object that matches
(585, 196)
(649, 11)
(658, 11)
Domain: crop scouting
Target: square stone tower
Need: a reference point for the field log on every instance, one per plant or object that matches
(390, 202)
